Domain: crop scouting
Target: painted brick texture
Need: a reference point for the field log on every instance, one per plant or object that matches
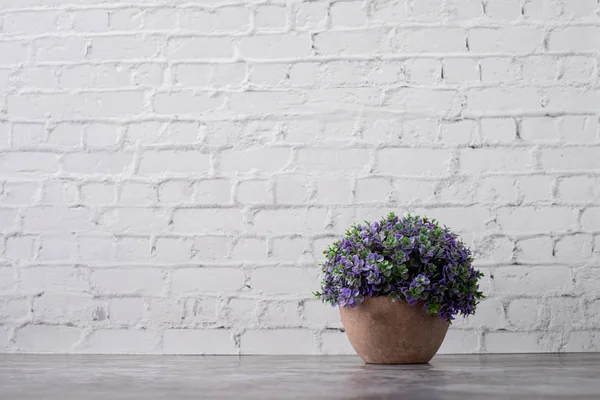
(170, 171)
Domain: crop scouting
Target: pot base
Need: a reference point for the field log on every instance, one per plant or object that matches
(383, 331)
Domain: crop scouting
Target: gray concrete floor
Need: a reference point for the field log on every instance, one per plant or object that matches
(51, 377)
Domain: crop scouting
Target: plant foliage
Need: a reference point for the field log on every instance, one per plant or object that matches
(410, 258)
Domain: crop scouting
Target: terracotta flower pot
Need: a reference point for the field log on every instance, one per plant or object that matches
(386, 332)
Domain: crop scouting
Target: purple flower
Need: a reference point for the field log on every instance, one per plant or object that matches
(411, 259)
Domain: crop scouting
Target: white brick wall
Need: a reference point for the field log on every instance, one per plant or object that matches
(170, 171)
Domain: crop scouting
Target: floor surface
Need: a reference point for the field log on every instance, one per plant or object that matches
(51, 377)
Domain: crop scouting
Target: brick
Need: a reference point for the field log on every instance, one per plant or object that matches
(498, 189)
(511, 39)
(499, 69)
(56, 49)
(28, 162)
(207, 220)
(565, 312)
(121, 341)
(65, 308)
(265, 159)
(172, 250)
(57, 248)
(270, 17)
(205, 75)
(249, 249)
(542, 9)
(20, 193)
(132, 248)
(535, 188)
(524, 314)
(503, 10)
(282, 314)
(542, 69)
(224, 19)
(59, 193)
(284, 280)
(27, 134)
(57, 219)
(254, 192)
(575, 38)
(14, 52)
(429, 40)
(348, 14)
(20, 247)
(128, 310)
(495, 160)
(13, 309)
(214, 191)
(187, 48)
(136, 220)
(457, 70)
(532, 280)
(460, 342)
(122, 47)
(422, 100)
(8, 279)
(494, 249)
(275, 46)
(97, 193)
(243, 313)
(97, 163)
(89, 104)
(461, 219)
(333, 190)
(101, 135)
(176, 162)
(574, 248)
(588, 281)
(373, 190)
(410, 162)
(579, 129)
(577, 69)
(458, 132)
(503, 99)
(590, 219)
(264, 102)
(335, 342)
(536, 249)
(571, 158)
(91, 20)
(196, 280)
(289, 248)
(57, 339)
(351, 43)
(512, 342)
(291, 221)
(539, 129)
(498, 130)
(572, 99)
(187, 102)
(279, 341)
(310, 15)
(53, 279)
(536, 219)
(145, 281)
(321, 315)
(292, 189)
(137, 193)
(196, 341)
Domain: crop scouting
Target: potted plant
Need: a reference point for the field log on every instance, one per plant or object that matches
(398, 284)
